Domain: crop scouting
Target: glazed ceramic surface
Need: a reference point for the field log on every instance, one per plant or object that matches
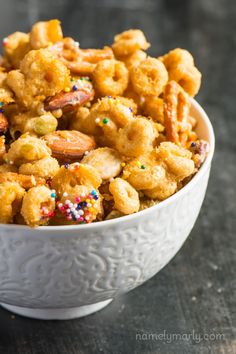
(71, 271)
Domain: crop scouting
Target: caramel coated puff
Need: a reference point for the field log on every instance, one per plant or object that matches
(27, 149)
(134, 59)
(40, 75)
(154, 107)
(143, 172)
(165, 187)
(45, 33)
(128, 42)
(175, 165)
(45, 168)
(180, 66)
(73, 175)
(149, 78)
(82, 122)
(5, 93)
(11, 195)
(110, 77)
(136, 138)
(34, 201)
(17, 46)
(117, 115)
(80, 190)
(177, 159)
(125, 196)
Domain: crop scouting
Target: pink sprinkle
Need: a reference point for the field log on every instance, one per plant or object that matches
(5, 41)
(81, 218)
(90, 196)
(77, 199)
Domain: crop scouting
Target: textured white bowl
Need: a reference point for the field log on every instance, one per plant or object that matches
(64, 272)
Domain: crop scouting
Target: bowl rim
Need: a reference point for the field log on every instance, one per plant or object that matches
(162, 204)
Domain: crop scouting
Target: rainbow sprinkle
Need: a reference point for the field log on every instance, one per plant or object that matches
(83, 210)
(105, 120)
(46, 213)
(85, 78)
(53, 194)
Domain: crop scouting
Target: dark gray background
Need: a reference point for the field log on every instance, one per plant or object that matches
(196, 291)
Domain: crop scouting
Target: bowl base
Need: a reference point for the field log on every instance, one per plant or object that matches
(57, 314)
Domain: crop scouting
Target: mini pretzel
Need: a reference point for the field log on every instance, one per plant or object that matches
(24, 181)
(80, 61)
(176, 111)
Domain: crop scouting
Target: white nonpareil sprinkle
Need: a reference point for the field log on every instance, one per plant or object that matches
(86, 153)
(97, 120)
(65, 194)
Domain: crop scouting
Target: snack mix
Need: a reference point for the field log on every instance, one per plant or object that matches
(92, 134)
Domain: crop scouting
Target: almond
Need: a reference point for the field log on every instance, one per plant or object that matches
(68, 101)
(69, 145)
(25, 181)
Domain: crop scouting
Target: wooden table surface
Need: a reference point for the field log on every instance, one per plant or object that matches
(195, 294)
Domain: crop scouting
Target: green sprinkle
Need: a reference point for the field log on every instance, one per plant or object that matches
(85, 78)
(1, 104)
(142, 167)
(105, 120)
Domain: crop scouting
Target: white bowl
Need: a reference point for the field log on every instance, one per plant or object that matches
(63, 272)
